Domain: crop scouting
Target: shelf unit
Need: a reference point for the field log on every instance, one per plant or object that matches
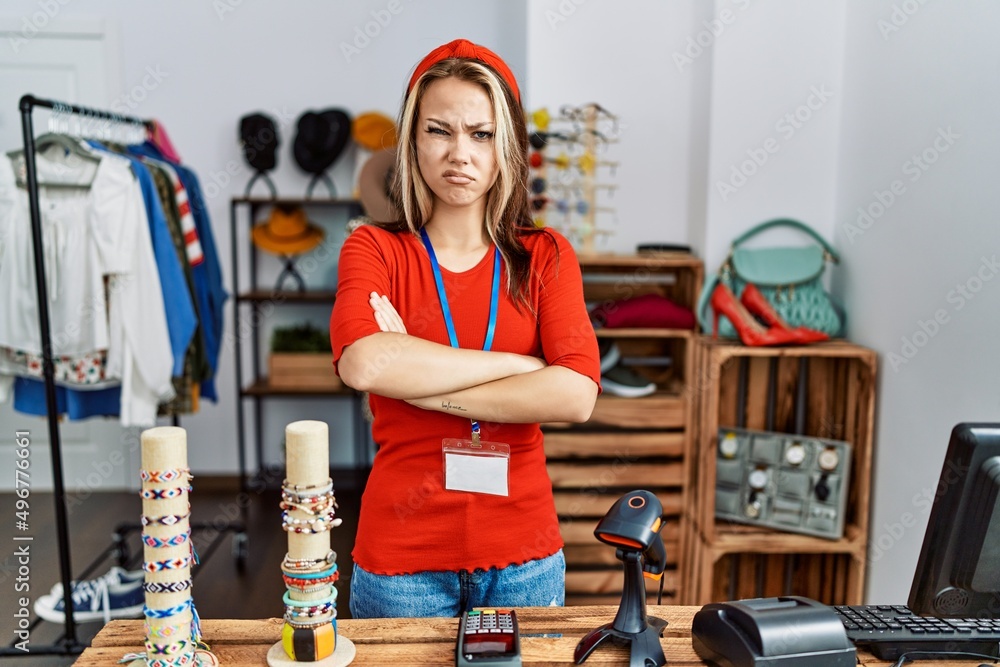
(629, 443)
(244, 212)
(826, 391)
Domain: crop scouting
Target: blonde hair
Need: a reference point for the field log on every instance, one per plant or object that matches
(508, 216)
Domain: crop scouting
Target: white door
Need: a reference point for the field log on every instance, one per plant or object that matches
(66, 62)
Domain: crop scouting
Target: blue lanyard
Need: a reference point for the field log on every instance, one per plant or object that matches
(494, 295)
(449, 322)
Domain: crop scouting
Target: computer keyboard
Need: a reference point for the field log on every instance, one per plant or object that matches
(891, 630)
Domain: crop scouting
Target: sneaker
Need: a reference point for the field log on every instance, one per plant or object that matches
(621, 381)
(116, 594)
(610, 354)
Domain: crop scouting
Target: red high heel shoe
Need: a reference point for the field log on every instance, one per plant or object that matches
(758, 304)
(751, 332)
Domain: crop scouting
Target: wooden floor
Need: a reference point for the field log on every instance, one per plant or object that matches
(220, 590)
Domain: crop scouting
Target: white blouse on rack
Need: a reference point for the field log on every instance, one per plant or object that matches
(103, 286)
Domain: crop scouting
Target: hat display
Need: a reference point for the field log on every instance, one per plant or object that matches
(375, 185)
(259, 138)
(374, 131)
(463, 48)
(287, 231)
(320, 139)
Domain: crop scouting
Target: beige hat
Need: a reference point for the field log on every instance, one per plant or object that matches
(374, 185)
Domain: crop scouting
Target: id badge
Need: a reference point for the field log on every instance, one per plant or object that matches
(476, 467)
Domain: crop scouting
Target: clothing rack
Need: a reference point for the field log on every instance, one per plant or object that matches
(70, 644)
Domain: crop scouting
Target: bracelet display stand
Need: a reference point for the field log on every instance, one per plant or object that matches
(309, 570)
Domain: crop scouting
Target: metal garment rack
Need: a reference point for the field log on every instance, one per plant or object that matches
(69, 644)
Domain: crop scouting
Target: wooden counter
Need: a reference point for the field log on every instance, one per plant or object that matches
(429, 641)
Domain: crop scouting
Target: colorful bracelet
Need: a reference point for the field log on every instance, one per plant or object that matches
(165, 520)
(303, 584)
(316, 575)
(174, 541)
(327, 503)
(170, 611)
(172, 564)
(181, 661)
(166, 587)
(166, 631)
(164, 475)
(289, 602)
(166, 649)
(163, 494)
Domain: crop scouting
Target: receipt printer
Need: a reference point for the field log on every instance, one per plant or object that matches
(787, 631)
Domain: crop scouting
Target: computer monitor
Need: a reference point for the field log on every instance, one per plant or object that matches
(958, 573)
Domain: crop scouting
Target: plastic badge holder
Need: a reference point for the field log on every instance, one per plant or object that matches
(787, 482)
(476, 467)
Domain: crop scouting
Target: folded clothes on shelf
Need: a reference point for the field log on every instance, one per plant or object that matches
(650, 311)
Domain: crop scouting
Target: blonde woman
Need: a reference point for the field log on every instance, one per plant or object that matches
(468, 327)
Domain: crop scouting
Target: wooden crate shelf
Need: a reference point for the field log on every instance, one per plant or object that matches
(629, 443)
(836, 401)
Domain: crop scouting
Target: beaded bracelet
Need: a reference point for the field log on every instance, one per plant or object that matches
(164, 475)
(165, 520)
(313, 507)
(303, 584)
(163, 494)
(289, 602)
(174, 541)
(306, 564)
(308, 612)
(316, 575)
(172, 564)
(310, 491)
(289, 520)
(315, 526)
(166, 587)
(165, 649)
(302, 625)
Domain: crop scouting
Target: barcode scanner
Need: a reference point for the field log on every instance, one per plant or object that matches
(634, 522)
(632, 526)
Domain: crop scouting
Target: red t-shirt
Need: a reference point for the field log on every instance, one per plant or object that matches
(409, 522)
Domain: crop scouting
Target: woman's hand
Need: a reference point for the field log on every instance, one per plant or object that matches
(385, 314)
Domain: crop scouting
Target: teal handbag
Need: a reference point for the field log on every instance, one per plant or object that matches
(790, 278)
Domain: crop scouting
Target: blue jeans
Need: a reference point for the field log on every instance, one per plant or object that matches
(537, 583)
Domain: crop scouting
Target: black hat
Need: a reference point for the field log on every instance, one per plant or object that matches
(320, 139)
(259, 138)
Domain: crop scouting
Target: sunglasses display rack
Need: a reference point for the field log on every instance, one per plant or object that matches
(569, 174)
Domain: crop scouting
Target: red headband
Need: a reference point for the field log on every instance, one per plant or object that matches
(463, 48)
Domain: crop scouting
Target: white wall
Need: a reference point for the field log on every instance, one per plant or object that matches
(902, 89)
(619, 55)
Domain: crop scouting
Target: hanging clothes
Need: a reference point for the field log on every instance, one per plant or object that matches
(211, 292)
(105, 293)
